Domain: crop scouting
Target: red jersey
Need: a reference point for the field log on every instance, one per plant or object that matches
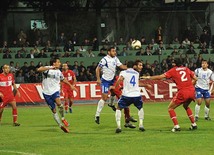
(6, 82)
(182, 76)
(69, 75)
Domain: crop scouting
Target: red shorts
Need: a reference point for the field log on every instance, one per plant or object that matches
(68, 93)
(6, 100)
(184, 95)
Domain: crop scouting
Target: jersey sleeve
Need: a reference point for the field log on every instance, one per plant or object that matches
(103, 62)
(196, 71)
(212, 76)
(122, 73)
(169, 73)
(118, 63)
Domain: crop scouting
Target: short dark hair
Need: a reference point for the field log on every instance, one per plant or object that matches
(53, 60)
(110, 48)
(130, 64)
(137, 62)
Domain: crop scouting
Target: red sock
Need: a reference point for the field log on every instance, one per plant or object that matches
(173, 116)
(127, 114)
(14, 112)
(190, 115)
(66, 105)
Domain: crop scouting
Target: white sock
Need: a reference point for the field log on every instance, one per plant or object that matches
(206, 111)
(100, 106)
(197, 110)
(56, 118)
(141, 117)
(118, 118)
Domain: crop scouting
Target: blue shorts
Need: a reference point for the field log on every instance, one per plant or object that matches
(124, 102)
(105, 85)
(50, 99)
(201, 93)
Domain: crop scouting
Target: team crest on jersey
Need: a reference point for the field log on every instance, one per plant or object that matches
(9, 78)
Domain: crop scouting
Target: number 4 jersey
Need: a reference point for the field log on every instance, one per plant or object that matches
(182, 76)
(130, 83)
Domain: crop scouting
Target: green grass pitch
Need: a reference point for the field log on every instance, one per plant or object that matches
(39, 134)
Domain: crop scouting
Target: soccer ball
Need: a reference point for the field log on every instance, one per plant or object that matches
(136, 44)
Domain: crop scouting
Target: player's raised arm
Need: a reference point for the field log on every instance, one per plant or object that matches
(44, 68)
(66, 81)
(123, 67)
(156, 77)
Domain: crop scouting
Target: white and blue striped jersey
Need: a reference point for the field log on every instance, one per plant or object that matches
(204, 77)
(108, 66)
(130, 83)
(51, 81)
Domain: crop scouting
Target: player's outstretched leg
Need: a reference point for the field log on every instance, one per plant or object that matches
(172, 115)
(191, 118)
(100, 106)
(206, 112)
(197, 110)
(141, 118)
(118, 118)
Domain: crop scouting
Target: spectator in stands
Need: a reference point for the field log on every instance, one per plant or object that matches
(19, 78)
(197, 40)
(175, 41)
(76, 71)
(150, 47)
(18, 55)
(23, 51)
(25, 71)
(86, 42)
(104, 47)
(186, 42)
(22, 37)
(31, 54)
(169, 47)
(89, 75)
(147, 70)
(207, 29)
(54, 55)
(143, 40)
(32, 66)
(12, 67)
(140, 52)
(82, 66)
(175, 52)
(90, 53)
(47, 48)
(32, 77)
(205, 37)
(75, 39)
(7, 55)
(69, 46)
(82, 49)
(199, 60)
(42, 54)
(188, 33)
(62, 39)
(82, 77)
(124, 52)
(69, 66)
(4, 47)
(191, 50)
(57, 49)
(121, 41)
(148, 52)
(17, 66)
(76, 65)
(93, 67)
(14, 44)
(101, 53)
(194, 58)
(77, 54)
(158, 35)
(204, 51)
(66, 54)
(95, 44)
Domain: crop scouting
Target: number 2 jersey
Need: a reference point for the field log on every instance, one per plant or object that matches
(182, 76)
(130, 83)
